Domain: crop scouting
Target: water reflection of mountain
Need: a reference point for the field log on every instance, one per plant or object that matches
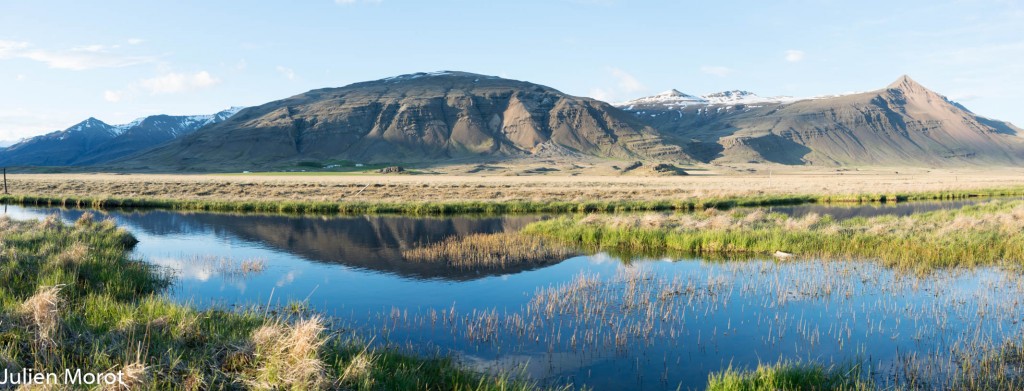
(367, 242)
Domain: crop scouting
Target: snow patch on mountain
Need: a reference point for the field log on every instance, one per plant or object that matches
(674, 99)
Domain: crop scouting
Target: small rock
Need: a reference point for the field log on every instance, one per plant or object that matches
(391, 170)
(783, 255)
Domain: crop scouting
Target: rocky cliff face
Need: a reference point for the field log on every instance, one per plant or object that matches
(904, 123)
(424, 117)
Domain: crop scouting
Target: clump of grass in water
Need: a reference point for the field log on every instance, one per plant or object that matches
(71, 298)
(986, 234)
(490, 251)
(789, 376)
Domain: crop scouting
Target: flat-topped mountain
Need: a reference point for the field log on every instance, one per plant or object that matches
(92, 141)
(904, 123)
(422, 117)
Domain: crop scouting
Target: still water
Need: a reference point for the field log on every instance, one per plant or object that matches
(588, 320)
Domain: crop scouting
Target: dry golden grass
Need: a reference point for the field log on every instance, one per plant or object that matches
(461, 187)
(42, 311)
(136, 377)
(490, 251)
(289, 355)
(76, 252)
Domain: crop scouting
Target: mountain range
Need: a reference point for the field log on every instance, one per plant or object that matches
(445, 117)
(903, 123)
(93, 142)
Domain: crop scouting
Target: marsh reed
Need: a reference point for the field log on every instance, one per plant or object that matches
(491, 251)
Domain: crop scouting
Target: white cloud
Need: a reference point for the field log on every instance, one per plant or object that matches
(625, 86)
(794, 55)
(135, 41)
(113, 96)
(78, 58)
(178, 82)
(20, 77)
(241, 65)
(168, 83)
(287, 72)
(600, 94)
(19, 123)
(716, 71)
(627, 82)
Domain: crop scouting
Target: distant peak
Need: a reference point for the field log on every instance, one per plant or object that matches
(90, 122)
(671, 97)
(731, 94)
(672, 93)
(906, 83)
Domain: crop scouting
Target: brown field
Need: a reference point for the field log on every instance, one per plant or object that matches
(559, 186)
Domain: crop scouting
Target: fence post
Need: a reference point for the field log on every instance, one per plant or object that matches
(5, 181)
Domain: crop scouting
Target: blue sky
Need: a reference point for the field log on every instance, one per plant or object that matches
(64, 61)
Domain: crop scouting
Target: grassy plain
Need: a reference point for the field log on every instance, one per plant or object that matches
(441, 194)
(490, 188)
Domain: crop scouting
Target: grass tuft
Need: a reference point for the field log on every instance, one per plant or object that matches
(289, 355)
(788, 376)
(42, 311)
(490, 251)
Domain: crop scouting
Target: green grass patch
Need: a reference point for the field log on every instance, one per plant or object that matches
(991, 233)
(786, 376)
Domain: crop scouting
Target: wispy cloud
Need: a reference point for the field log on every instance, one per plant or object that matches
(625, 86)
(627, 82)
(794, 55)
(19, 123)
(178, 82)
(600, 94)
(288, 73)
(113, 96)
(168, 83)
(78, 58)
(719, 71)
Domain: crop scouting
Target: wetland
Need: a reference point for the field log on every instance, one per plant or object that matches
(525, 296)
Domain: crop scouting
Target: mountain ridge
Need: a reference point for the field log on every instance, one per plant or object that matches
(902, 123)
(450, 117)
(93, 141)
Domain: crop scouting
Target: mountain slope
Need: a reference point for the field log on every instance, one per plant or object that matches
(92, 141)
(423, 117)
(904, 123)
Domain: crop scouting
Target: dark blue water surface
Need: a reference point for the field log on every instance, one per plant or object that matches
(588, 320)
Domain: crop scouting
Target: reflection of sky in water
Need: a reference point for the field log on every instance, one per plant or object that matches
(348, 267)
